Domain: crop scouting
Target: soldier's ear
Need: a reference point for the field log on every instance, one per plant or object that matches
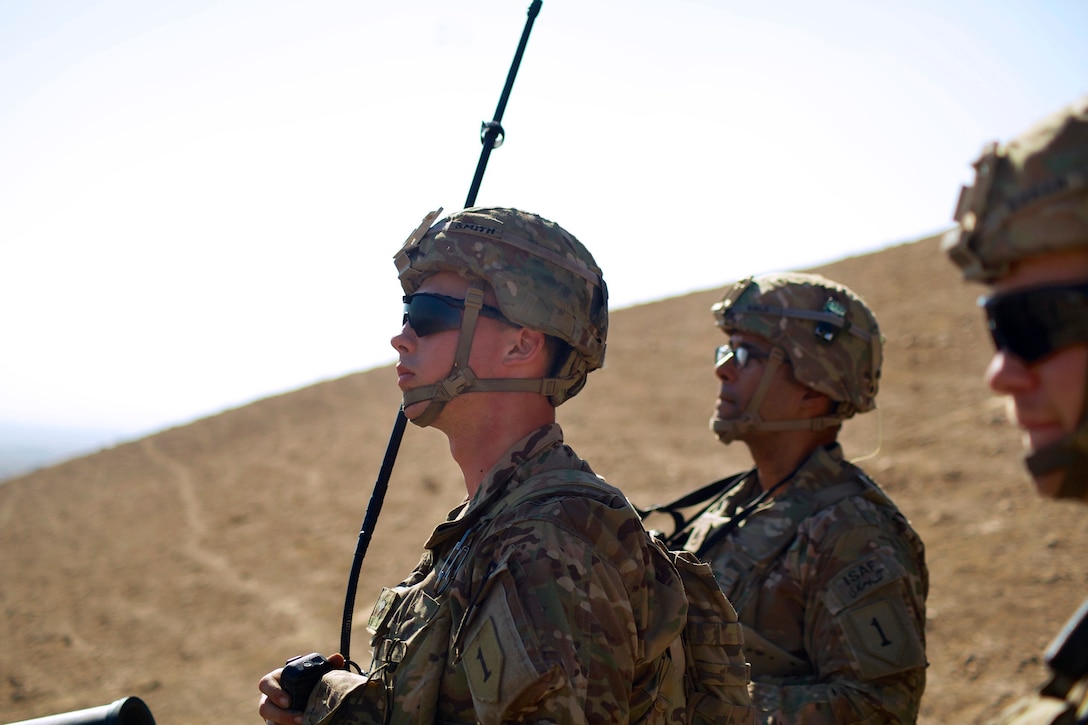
(815, 404)
(527, 347)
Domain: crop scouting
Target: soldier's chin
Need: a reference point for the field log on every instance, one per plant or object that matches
(415, 410)
(724, 437)
(1049, 484)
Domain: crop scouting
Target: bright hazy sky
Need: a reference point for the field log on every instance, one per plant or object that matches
(200, 200)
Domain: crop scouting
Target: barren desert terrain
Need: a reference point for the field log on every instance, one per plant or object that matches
(183, 566)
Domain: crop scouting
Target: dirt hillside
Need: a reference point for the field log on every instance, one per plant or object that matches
(183, 566)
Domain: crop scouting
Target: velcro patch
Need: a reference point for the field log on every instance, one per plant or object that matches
(497, 664)
(382, 609)
(883, 638)
(484, 662)
(861, 579)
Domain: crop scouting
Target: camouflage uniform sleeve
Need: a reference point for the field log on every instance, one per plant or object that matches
(345, 698)
(564, 622)
(864, 627)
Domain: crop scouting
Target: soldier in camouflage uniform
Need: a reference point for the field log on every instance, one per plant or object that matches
(535, 600)
(827, 576)
(1023, 230)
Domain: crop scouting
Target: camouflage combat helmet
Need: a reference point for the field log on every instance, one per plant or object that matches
(1030, 196)
(543, 279)
(822, 329)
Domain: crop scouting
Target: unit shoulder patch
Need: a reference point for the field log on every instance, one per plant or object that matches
(484, 661)
(497, 664)
(882, 637)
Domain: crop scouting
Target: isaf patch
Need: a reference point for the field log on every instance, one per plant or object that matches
(863, 577)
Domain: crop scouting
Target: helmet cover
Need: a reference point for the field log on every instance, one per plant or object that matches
(829, 335)
(1030, 197)
(542, 276)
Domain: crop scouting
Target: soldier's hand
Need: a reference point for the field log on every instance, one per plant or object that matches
(275, 702)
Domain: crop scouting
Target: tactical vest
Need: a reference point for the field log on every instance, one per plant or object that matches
(767, 658)
(716, 675)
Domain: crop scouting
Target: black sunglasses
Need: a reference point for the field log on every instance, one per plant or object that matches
(740, 354)
(1034, 323)
(427, 313)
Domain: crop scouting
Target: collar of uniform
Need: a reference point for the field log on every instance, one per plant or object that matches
(503, 476)
(822, 469)
(819, 470)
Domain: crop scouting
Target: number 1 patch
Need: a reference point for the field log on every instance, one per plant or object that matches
(484, 663)
(883, 638)
(497, 664)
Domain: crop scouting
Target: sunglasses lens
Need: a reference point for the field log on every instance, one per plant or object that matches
(1030, 343)
(1034, 323)
(429, 314)
(741, 355)
(724, 353)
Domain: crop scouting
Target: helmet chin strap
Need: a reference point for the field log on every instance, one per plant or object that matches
(461, 378)
(1068, 454)
(730, 429)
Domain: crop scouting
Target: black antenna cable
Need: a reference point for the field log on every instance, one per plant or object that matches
(491, 136)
